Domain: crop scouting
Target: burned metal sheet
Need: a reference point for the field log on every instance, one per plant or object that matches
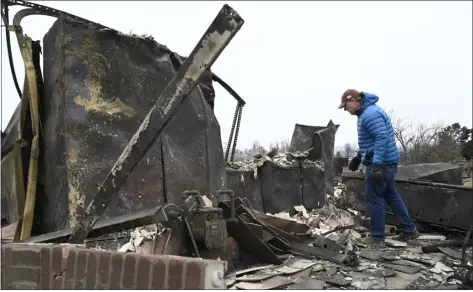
(95, 100)
(245, 185)
(322, 142)
(280, 187)
(302, 137)
(436, 172)
(313, 185)
(323, 147)
(251, 242)
(277, 188)
(435, 203)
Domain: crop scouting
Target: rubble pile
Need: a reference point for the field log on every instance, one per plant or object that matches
(283, 160)
(433, 261)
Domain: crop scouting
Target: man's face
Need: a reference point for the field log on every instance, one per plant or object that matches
(352, 106)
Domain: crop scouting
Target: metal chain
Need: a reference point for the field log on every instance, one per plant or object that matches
(236, 132)
(229, 143)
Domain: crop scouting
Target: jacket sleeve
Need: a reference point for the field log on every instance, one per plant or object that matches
(376, 126)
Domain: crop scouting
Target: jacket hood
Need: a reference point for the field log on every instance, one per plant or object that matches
(368, 99)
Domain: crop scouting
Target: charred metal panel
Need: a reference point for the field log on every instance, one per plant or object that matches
(436, 172)
(99, 86)
(321, 141)
(313, 184)
(245, 185)
(281, 187)
(441, 204)
(302, 137)
(278, 188)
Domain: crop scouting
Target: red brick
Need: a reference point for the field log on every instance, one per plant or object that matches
(129, 271)
(45, 268)
(23, 286)
(25, 257)
(104, 271)
(117, 267)
(144, 273)
(175, 277)
(81, 268)
(72, 267)
(159, 274)
(92, 268)
(57, 270)
(194, 278)
(6, 267)
(25, 274)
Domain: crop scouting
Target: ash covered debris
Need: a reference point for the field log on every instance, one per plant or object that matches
(284, 160)
(433, 261)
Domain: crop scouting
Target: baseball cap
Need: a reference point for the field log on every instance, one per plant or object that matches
(350, 93)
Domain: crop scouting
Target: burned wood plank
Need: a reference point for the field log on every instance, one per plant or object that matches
(216, 38)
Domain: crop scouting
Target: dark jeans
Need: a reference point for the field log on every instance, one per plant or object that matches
(377, 193)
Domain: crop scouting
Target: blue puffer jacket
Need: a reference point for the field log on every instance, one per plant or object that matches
(375, 133)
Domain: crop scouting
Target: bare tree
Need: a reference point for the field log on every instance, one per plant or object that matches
(403, 136)
(256, 148)
(423, 143)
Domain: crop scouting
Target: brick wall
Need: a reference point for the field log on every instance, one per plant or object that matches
(48, 266)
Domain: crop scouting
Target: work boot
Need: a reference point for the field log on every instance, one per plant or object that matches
(405, 236)
(372, 242)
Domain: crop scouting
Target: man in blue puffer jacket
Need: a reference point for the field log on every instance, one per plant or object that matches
(379, 153)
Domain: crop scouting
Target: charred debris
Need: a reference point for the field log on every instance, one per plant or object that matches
(280, 220)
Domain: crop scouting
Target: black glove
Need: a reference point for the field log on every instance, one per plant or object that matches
(377, 173)
(355, 162)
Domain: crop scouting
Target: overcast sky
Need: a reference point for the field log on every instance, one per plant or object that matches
(291, 61)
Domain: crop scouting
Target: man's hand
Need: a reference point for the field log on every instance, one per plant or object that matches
(377, 173)
(355, 162)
